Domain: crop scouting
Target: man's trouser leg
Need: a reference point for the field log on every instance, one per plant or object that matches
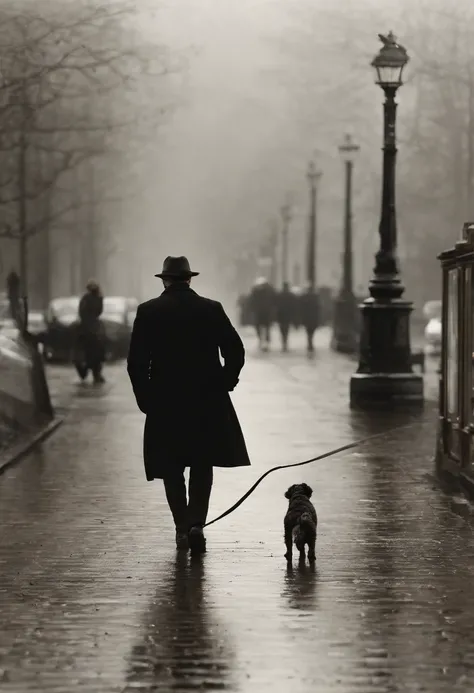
(200, 486)
(268, 333)
(79, 357)
(95, 356)
(175, 489)
(97, 371)
(310, 334)
(284, 330)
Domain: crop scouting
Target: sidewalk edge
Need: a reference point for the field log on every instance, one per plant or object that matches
(20, 450)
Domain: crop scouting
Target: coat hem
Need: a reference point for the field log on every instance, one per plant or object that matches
(149, 477)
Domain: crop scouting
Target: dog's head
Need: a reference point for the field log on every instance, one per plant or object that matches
(300, 490)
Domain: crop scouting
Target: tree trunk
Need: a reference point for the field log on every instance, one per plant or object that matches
(469, 204)
(22, 200)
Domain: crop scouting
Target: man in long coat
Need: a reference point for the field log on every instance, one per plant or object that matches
(285, 313)
(310, 315)
(182, 387)
(262, 305)
(89, 352)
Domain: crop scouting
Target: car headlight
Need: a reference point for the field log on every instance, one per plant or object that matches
(433, 329)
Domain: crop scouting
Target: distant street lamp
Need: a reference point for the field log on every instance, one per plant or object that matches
(385, 374)
(269, 250)
(273, 239)
(345, 330)
(313, 177)
(286, 218)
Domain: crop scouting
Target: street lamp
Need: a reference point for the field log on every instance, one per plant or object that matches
(313, 177)
(272, 243)
(286, 218)
(269, 250)
(385, 373)
(345, 331)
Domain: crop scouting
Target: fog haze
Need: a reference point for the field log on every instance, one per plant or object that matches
(253, 91)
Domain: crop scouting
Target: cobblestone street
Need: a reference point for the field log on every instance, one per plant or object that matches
(93, 597)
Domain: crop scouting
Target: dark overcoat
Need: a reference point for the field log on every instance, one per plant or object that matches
(88, 333)
(310, 310)
(285, 307)
(91, 306)
(181, 385)
(262, 304)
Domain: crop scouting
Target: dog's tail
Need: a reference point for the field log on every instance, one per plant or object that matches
(306, 520)
(300, 532)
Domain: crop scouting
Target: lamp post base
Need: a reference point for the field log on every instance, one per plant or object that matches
(376, 390)
(345, 333)
(385, 376)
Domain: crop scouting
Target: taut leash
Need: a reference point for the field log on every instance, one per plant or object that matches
(330, 453)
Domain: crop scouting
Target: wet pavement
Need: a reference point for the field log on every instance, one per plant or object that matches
(93, 597)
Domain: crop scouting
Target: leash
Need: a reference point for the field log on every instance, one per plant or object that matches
(330, 453)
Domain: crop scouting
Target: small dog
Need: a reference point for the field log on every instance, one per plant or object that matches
(301, 522)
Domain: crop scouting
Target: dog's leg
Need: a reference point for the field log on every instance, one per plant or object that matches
(312, 549)
(289, 544)
(300, 545)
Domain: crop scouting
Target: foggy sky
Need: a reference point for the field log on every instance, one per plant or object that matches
(229, 119)
(235, 145)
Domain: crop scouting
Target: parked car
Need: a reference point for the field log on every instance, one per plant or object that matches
(117, 317)
(132, 306)
(37, 324)
(432, 313)
(244, 311)
(8, 328)
(36, 327)
(4, 307)
(61, 314)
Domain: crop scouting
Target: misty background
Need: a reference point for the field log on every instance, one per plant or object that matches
(128, 133)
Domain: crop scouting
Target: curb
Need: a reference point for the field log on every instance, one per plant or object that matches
(15, 453)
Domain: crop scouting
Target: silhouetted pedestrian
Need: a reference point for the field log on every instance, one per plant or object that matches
(296, 310)
(181, 386)
(285, 313)
(243, 310)
(89, 347)
(262, 301)
(310, 316)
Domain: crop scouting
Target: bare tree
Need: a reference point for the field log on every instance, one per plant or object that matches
(69, 73)
(326, 71)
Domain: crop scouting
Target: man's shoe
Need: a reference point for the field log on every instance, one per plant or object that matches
(182, 541)
(197, 540)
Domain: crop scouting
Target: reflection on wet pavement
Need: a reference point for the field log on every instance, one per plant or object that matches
(183, 645)
(94, 598)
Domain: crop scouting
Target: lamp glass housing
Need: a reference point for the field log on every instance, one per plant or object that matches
(389, 75)
(389, 62)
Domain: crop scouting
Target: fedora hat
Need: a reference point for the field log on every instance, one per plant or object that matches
(176, 268)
